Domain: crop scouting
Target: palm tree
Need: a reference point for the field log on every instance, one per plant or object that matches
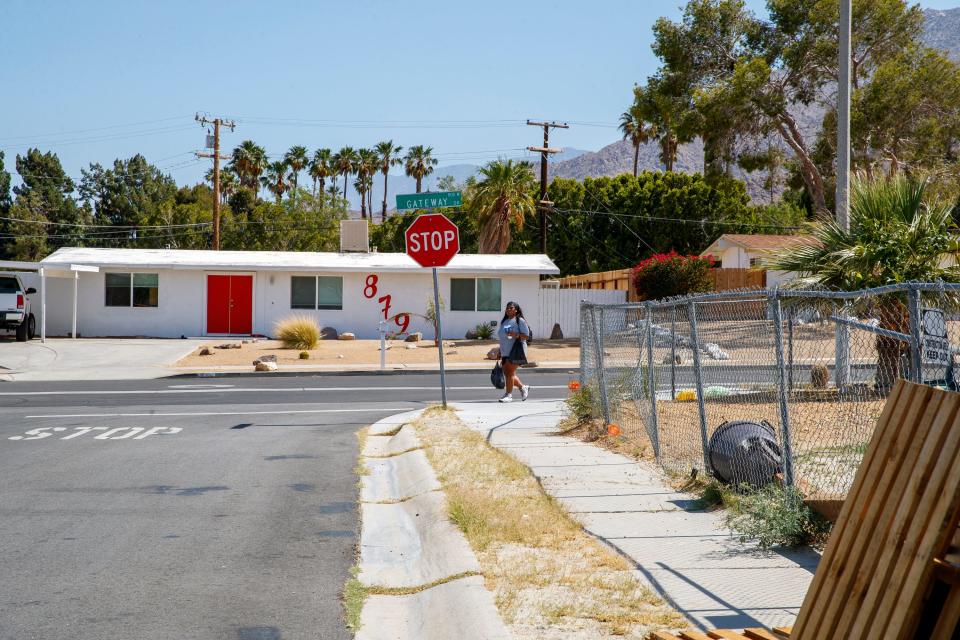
(897, 234)
(275, 179)
(248, 162)
(296, 159)
(389, 156)
(346, 164)
(501, 199)
(367, 164)
(228, 182)
(634, 128)
(321, 168)
(419, 162)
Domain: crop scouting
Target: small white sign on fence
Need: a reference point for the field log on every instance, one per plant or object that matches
(935, 346)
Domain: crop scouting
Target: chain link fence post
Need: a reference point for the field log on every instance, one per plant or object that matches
(652, 384)
(916, 354)
(698, 377)
(673, 353)
(601, 367)
(782, 392)
(841, 358)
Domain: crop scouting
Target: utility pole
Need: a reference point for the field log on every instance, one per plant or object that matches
(217, 122)
(544, 151)
(843, 119)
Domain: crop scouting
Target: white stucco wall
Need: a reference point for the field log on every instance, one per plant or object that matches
(182, 304)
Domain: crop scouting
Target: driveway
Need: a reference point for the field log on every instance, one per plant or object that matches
(90, 358)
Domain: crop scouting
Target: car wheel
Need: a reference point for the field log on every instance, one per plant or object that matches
(32, 328)
(22, 331)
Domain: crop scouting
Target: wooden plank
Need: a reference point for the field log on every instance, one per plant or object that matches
(930, 526)
(895, 511)
(783, 632)
(949, 617)
(820, 593)
(726, 634)
(661, 635)
(760, 634)
(693, 635)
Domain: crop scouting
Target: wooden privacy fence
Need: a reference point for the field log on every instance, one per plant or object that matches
(620, 280)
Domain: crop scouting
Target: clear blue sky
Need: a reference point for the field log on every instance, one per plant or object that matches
(94, 81)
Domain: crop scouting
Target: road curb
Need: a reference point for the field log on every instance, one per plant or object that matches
(385, 372)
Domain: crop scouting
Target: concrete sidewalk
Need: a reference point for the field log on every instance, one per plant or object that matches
(687, 556)
(91, 358)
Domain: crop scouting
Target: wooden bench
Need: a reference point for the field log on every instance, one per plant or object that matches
(891, 568)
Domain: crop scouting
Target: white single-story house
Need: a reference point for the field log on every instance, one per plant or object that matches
(743, 251)
(173, 293)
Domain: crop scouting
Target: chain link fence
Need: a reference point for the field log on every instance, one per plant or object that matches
(757, 384)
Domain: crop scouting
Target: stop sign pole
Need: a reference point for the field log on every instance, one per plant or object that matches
(432, 241)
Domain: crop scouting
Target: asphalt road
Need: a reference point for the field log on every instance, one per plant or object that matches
(200, 508)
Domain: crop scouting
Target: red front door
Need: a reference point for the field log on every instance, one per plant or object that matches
(229, 304)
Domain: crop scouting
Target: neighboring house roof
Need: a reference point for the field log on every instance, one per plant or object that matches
(759, 243)
(291, 261)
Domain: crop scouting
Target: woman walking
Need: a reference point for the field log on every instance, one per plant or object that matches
(513, 335)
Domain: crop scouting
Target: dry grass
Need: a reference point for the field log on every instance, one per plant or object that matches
(550, 579)
(298, 332)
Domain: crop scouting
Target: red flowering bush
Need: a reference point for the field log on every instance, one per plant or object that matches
(665, 275)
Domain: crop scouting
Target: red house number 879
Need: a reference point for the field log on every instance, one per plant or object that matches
(402, 320)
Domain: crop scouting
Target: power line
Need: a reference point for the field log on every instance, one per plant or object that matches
(217, 122)
(700, 222)
(76, 131)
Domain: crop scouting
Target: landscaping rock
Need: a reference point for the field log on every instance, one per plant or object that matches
(411, 346)
(265, 366)
(347, 336)
(531, 364)
(205, 351)
(414, 337)
(328, 333)
(386, 347)
(270, 358)
(678, 360)
(557, 333)
(471, 335)
(229, 345)
(493, 354)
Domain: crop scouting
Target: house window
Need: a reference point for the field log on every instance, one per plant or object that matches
(754, 262)
(132, 290)
(316, 292)
(475, 294)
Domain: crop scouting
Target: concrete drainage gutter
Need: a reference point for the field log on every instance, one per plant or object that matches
(409, 546)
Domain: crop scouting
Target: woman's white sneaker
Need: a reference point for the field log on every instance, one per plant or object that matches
(506, 398)
(524, 392)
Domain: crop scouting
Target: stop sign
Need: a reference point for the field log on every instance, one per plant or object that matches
(432, 240)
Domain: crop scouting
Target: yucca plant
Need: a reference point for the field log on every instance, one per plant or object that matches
(897, 234)
(298, 332)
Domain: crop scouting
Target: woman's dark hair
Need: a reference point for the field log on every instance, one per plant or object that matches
(515, 306)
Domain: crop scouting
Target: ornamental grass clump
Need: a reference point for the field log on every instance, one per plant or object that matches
(298, 332)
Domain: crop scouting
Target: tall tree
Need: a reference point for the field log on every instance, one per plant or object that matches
(747, 76)
(346, 164)
(275, 179)
(296, 159)
(368, 162)
(28, 229)
(5, 201)
(389, 157)
(43, 176)
(419, 162)
(635, 129)
(502, 200)
(321, 168)
(249, 162)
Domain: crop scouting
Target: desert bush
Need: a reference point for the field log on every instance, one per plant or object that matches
(304, 355)
(298, 332)
(775, 516)
(819, 376)
(665, 275)
(483, 331)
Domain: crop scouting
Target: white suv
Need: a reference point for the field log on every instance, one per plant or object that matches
(15, 311)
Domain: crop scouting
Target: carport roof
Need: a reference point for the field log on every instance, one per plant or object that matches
(290, 261)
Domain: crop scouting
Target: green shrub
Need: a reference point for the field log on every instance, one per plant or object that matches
(665, 275)
(583, 405)
(298, 332)
(304, 355)
(483, 331)
(775, 516)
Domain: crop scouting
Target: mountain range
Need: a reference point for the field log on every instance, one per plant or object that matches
(941, 30)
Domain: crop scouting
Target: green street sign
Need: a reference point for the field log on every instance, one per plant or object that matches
(434, 200)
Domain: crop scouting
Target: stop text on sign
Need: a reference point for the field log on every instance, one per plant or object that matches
(432, 240)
